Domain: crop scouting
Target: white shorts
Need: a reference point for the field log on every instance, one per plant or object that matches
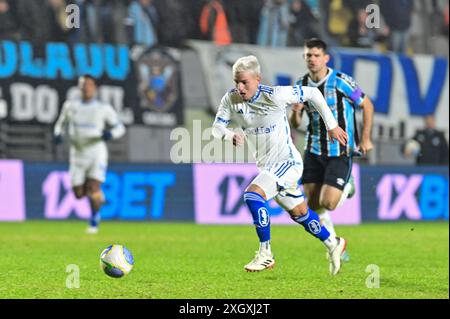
(282, 183)
(90, 163)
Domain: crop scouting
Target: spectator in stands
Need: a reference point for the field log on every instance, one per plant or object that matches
(335, 22)
(428, 145)
(144, 22)
(358, 33)
(303, 25)
(274, 24)
(214, 23)
(104, 20)
(243, 19)
(9, 28)
(397, 15)
(56, 16)
(176, 22)
(30, 13)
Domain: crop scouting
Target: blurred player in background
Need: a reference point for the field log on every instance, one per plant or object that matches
(428, 145)
(89, 124)
(327, 178)
(261, 112)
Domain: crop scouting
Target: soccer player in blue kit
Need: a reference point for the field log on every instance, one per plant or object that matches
(261, 112)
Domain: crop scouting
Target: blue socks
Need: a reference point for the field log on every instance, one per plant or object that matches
(312, 225)
(261, 219)
(257, 205)
(95, 217)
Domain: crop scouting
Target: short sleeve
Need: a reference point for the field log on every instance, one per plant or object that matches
(286, 95)
(348, 86)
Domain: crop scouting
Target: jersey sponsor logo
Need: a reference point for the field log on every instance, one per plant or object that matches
(261, 130)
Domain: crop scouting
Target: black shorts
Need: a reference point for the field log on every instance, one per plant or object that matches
(333, 171)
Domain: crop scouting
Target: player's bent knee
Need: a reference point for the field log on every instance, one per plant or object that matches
(79, 192)
(299, 210)
(328, 205)
(253, 188)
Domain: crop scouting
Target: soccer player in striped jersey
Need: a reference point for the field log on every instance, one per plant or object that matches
(89, 124)
(327, 180)
(261, 112)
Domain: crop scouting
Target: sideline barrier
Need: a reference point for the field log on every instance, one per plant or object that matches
(211, 193)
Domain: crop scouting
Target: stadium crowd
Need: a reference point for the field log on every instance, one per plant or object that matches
(407, 26)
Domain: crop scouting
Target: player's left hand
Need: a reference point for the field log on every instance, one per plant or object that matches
(365, 146)
(338, 134)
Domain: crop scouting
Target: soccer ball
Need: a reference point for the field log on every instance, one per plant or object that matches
(116, 261)
(412, 148)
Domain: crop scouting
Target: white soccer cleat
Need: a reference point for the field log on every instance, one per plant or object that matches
(92, 230)
(335, 256)
(260, 262)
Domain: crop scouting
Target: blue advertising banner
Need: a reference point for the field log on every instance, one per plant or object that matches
(404, 193)
(133, 192)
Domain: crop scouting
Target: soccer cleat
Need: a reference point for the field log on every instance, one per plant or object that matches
(336, 254)
(92, 230)
(260, 262)
(345, 257)
(351, 184)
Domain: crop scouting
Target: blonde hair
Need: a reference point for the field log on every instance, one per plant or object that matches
(247, 64)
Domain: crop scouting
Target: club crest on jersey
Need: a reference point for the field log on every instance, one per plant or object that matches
(263, 217)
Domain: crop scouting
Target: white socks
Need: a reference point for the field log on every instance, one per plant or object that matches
(330, 243)
(344, 194)
(326, 221)
(264, 247)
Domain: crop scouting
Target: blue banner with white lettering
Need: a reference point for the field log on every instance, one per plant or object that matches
(35, 80)
(404, 193)
(160, 192)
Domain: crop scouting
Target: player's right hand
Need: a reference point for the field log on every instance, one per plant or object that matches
(338, 134)
(57, 139)
(238, 139)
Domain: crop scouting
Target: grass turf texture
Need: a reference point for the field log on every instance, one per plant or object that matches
(206, 261)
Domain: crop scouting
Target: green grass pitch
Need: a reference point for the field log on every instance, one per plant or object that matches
(177, 260)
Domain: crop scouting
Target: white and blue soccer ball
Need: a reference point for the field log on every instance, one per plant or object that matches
(116, 261)
(412, 148)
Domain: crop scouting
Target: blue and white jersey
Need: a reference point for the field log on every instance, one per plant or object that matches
(264, 121)
(343, 95)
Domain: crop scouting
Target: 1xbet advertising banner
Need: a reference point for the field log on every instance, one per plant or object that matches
(404, 193)
(132, 192)
(144, 86)
(219, 190)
